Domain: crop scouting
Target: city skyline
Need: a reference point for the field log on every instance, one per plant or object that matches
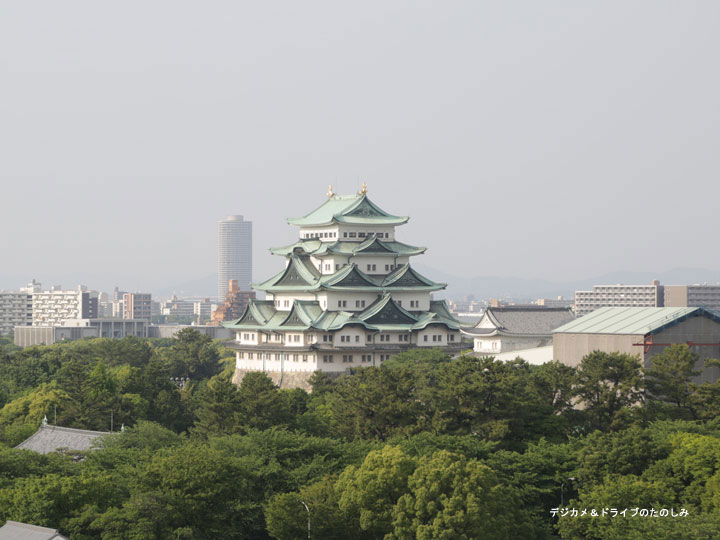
(549, 142)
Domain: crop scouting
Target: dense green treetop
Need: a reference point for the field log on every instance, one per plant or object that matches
(425, 446)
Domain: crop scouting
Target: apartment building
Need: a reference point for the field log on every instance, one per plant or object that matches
(137, 306)
(707, 296)
(53, 308)
(619, 295)
(15, 310)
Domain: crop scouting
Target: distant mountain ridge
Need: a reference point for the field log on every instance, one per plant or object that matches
(497, 286)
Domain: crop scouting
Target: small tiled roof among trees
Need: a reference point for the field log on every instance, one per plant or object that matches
(49, 439)
(14, 530)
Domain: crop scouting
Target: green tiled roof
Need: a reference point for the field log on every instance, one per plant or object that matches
(630, 320)
(372, 245)
(356, 209)
(300, 275)
(383, 314)
(386, 311)
(348, 276)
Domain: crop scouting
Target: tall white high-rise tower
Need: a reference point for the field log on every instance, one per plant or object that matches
(234, 254)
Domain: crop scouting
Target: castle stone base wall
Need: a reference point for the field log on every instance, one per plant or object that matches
(287, 379)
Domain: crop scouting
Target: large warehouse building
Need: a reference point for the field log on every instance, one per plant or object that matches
(641, 331)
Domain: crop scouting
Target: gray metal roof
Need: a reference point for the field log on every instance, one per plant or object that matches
(630, 320)
(525, 320)
(13, 530)
(54, 438)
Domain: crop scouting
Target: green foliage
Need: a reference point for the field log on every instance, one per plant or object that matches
(374, 403)
(606, 384)
(369, 492)
(218, 409)
(193, 355)
(669, 379)
(22, 416)
(287, 518)
(630, 451)
(423, 447)
(418, 356)
(453, 498)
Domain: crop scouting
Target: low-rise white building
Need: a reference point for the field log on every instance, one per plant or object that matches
(73, 329)
(512, 328)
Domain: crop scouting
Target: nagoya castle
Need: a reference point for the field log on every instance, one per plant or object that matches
(348, 297)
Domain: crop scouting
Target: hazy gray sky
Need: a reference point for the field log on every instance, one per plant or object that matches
(556, 139)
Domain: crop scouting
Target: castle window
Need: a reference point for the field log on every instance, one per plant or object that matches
(304, 357)
(250, 356)
(241, 354)
(425, 338)
(357, 339)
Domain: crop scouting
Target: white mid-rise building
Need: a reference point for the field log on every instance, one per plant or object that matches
(618, 296)
(179, 307)
(203, 309)
(137, 306)
(15, 310)
(53, 308)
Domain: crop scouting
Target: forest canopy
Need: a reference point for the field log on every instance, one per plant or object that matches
(424, 447)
